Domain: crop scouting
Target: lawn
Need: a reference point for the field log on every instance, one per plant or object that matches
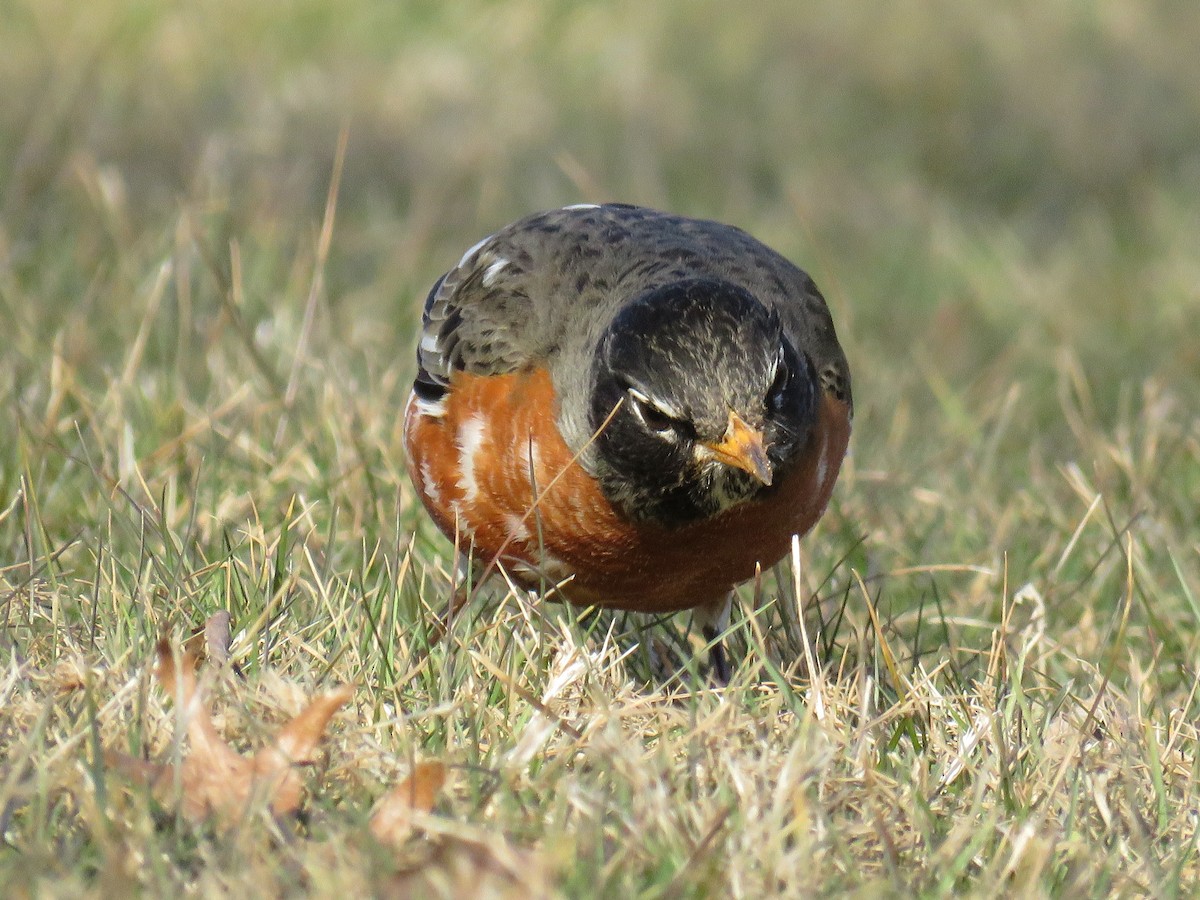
(217, 223)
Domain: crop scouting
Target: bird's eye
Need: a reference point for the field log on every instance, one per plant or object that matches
(651, 416)
(783, 375)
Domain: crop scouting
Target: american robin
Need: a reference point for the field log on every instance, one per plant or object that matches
(635, 407)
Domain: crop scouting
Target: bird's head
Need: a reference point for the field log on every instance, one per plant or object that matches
(699, 399)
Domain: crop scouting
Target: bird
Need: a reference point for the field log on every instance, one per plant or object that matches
(627, 408)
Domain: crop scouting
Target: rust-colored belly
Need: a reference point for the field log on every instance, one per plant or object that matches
(489, 464)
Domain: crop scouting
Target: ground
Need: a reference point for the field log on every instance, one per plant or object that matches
(208, 303)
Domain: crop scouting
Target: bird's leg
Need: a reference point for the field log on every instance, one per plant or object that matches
(713, 619)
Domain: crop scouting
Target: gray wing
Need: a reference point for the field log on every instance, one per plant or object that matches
(477, 318)
(542, 289)
(518, 296)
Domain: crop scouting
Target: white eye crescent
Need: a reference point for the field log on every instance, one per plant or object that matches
(651, 415)
(779, 384)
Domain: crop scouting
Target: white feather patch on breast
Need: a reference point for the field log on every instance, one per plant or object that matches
(429, 485)
(469, 440)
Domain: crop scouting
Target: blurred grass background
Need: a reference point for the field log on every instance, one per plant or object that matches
(1001, 203)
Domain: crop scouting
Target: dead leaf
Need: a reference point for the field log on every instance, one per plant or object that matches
(465, 866)
(214, 779)
(295, 746)
(142, 770)
(391, 823)
(449, 863)
(69, 676)
(212, 642)
(217, 637)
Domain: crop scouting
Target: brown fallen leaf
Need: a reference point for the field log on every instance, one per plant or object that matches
(214, 779)
(453, 866)
(212, 642)
(451, 862)
(70, 675)
(391, 823)
(217, 637)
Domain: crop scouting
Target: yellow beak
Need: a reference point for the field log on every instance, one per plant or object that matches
(742, 447)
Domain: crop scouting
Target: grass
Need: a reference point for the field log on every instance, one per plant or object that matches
(203, 371)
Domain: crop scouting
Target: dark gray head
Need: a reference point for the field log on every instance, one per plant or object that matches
(711, 401)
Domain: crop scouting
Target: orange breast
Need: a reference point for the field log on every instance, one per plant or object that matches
(490, 465)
